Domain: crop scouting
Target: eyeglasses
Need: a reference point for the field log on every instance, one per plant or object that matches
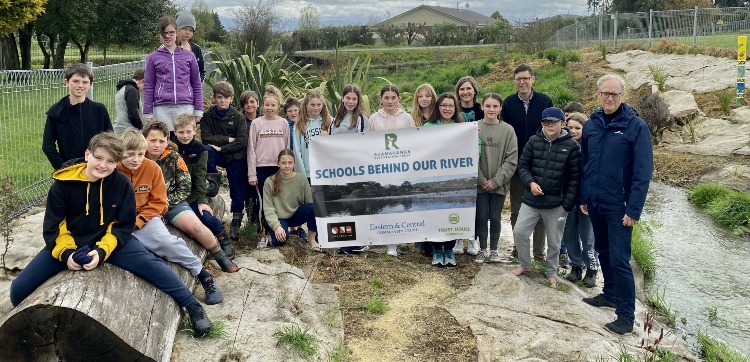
(522, 79)
(168, 33)
(606, 95)
(447, 106)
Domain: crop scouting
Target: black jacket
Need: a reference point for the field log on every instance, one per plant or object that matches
(526, 124)
(216, 131)
(69, 129)
(198, 52)
(555, 166)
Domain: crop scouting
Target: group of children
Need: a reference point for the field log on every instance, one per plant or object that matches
(164, 169)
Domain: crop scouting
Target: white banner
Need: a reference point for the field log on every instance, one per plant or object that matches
(399, 186)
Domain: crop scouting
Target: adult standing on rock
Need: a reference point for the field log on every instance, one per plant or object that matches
(617, 160)
(523, 111)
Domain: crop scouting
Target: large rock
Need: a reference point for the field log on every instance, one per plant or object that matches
(681, 103)
(715, 137)
(265, 295)
(735, 176)
(27, 239)
(699, 73)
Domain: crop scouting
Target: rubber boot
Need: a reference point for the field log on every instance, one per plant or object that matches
(590, 279)
(226, 244)
(226, 265)
(213, 184)
(234, 229)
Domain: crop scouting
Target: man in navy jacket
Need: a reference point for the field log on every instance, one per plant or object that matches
(617, 161)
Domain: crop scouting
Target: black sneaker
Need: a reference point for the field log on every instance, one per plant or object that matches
(600, 301)
(590, 279)
(198, 319)
(575, 274)
(213, 294)
(620, 326)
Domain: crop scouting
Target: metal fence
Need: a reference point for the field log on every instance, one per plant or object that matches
(713, 27)
(25, 97)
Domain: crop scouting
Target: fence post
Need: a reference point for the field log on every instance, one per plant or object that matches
(650, 26)
(91, 90)
(576, 25)
(617, 16)
(695, 24)
(601, 20)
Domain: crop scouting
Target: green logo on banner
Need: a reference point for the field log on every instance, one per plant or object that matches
(390, 141)
(453, 218)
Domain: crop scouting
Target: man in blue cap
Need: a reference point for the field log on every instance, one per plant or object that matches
(549, 171)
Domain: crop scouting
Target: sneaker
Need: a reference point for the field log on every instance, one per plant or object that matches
(459, 248)
(473, 247)
(600, 301)
(449, 259)
(564, 261)
(234, 229)
(226, 244)
(575, 274)
(198, 319)
(481, 257)
(590, 279)
(620, 326)
(226, 265)
(393, 250)
(262, 242)
(437, 257)
(213, 294)
(301, 234)
(494, 257)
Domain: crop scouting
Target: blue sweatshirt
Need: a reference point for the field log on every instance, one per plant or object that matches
(618, 162)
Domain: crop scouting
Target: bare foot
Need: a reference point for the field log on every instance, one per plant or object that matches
(518, 271)
(552, 282)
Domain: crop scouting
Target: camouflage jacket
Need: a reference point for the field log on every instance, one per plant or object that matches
(176, 176)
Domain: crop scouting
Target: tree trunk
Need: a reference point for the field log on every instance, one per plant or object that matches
(43, 48)
(58, 58)
(9, 53)
(25, 36)
(103, 314)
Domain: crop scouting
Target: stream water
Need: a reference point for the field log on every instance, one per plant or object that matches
(701, 266)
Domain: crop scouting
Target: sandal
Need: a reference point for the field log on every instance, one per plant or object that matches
(314, 246)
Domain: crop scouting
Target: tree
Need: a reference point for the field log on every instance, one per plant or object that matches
(600, 6)
(218, 33)
(14, 15)
(730, 3)
(204, 21)
(256, 24)
(412, 30)
(309, 17)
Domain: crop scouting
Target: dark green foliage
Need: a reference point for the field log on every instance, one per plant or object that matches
(703, 194)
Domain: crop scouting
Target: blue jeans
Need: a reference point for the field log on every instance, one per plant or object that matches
(612, 242)
(489, 207)
(304, 214)
(131, 256)
(208, 219)
(579, 236)
(236, 175)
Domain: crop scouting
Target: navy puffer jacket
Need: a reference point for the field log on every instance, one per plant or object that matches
(555, 166)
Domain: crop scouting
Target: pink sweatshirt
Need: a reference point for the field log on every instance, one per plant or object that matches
(265, 140)
(381, 121)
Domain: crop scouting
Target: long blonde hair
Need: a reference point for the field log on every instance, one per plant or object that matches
(301, 124)
(416, 110)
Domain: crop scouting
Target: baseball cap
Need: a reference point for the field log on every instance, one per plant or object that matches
(553, 114)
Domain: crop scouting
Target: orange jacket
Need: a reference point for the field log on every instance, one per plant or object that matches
(150, 191)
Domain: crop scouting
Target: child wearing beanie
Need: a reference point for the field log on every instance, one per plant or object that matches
(185, 30)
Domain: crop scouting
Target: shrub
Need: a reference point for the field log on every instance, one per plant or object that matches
(655, 111)
(703, 194)
(659, 75)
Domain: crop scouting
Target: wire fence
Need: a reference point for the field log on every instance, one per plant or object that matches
(713, 27)
(25, 96)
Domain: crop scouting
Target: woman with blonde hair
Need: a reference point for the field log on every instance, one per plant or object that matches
(424, 102)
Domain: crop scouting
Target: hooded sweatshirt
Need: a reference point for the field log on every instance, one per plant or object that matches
(150, 191)
(498, 157)
(176, 177)
(80, 212)
(267, 138)
(128, 113)
(172, 78)
(69, 129)
(381, 121)
(302, 144)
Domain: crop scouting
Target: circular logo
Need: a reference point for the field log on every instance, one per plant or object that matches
(453, 218)
(334, 230)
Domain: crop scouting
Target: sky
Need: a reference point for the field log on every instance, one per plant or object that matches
(341, 12)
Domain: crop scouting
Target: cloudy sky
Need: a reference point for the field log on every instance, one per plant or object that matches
(338, 12)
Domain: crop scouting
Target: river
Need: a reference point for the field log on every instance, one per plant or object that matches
(701, 265)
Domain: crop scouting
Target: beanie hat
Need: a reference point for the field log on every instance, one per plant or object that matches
(185, 18)
(553, 114)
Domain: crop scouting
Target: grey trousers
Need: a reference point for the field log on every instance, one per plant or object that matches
(516, 197)
(158, 240)
(554, 224)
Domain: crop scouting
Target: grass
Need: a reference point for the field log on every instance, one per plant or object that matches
(301, 342)
(716, 350)
(376, 305)
(725, 99)
(443, 77)
(713, 314)
(662, 307)
(555, 81)
(338, 354)
(732, 210)
(703, 194)
(219, 330)
(643, 250)
(659, 75)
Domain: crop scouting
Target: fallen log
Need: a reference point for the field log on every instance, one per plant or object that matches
(106, 314)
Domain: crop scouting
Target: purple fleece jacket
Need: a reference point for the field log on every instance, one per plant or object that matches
(172, 78)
